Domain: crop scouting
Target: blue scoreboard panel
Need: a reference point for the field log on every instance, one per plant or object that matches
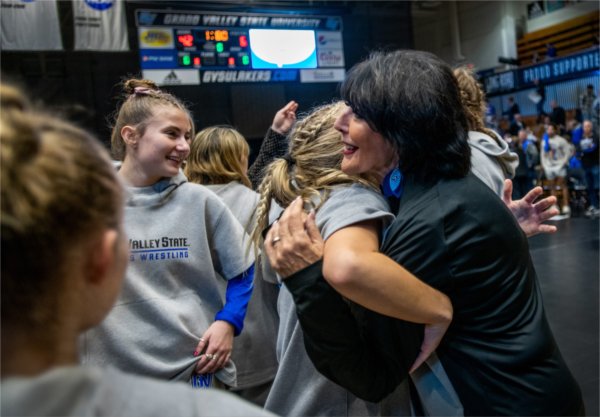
(191, 48)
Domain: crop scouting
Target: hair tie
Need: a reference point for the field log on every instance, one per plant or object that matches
(141, 91)
(289, 159)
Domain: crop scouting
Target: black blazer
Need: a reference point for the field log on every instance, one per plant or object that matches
(499, 351)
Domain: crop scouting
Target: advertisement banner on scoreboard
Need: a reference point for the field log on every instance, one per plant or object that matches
(329, 40)
(322, 75)
(158, 58)
(30, 26)
(331, 58)
(100, 25)
(172, 77)
(155, 38)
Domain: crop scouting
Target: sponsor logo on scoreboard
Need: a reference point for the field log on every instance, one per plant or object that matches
(156, 38)
(157, 58)
(329, 40)
(173, 77)
(322, 75)
(331, 58)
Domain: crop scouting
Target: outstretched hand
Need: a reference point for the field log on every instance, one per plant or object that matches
(284, 118)
(531, 214)
(294, 241)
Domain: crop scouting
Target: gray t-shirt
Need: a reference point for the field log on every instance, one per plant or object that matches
(81, 391)
(254, 349)
(183, 241)
(299, 389)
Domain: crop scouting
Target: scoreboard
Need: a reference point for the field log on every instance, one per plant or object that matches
(191, 48)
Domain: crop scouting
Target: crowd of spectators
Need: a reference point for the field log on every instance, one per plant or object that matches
(535, 139)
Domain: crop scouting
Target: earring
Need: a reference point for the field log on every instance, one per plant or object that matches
(393, 184)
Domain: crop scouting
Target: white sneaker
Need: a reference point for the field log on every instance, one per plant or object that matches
(592, 212)
(566, 210)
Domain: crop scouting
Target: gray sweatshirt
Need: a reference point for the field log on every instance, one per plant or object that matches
(492, 161)
(254, 349)
(81, 391)
(183, 242)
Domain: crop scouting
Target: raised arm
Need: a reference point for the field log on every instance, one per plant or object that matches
(275, 143)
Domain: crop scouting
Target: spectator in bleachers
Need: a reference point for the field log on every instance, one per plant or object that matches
(516, 125)
(529, 157)
(558, 116)
(555, 155)
(550, 51)
(586, 102)
(490, 117)
(588, 146)
(513, 108)
(540, 89)
(531, 135)
(574, 133)
(596, 113)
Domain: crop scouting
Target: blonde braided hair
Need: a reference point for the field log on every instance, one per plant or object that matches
(311, 169)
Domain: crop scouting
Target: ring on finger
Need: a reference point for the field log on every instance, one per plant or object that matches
(209, 356)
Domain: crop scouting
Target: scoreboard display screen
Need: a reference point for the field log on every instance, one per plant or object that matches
(188, 48)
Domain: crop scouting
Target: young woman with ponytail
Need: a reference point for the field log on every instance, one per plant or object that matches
(64, 255)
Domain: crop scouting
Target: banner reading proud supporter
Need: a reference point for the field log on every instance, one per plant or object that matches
(100, 25)
(30, 25)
